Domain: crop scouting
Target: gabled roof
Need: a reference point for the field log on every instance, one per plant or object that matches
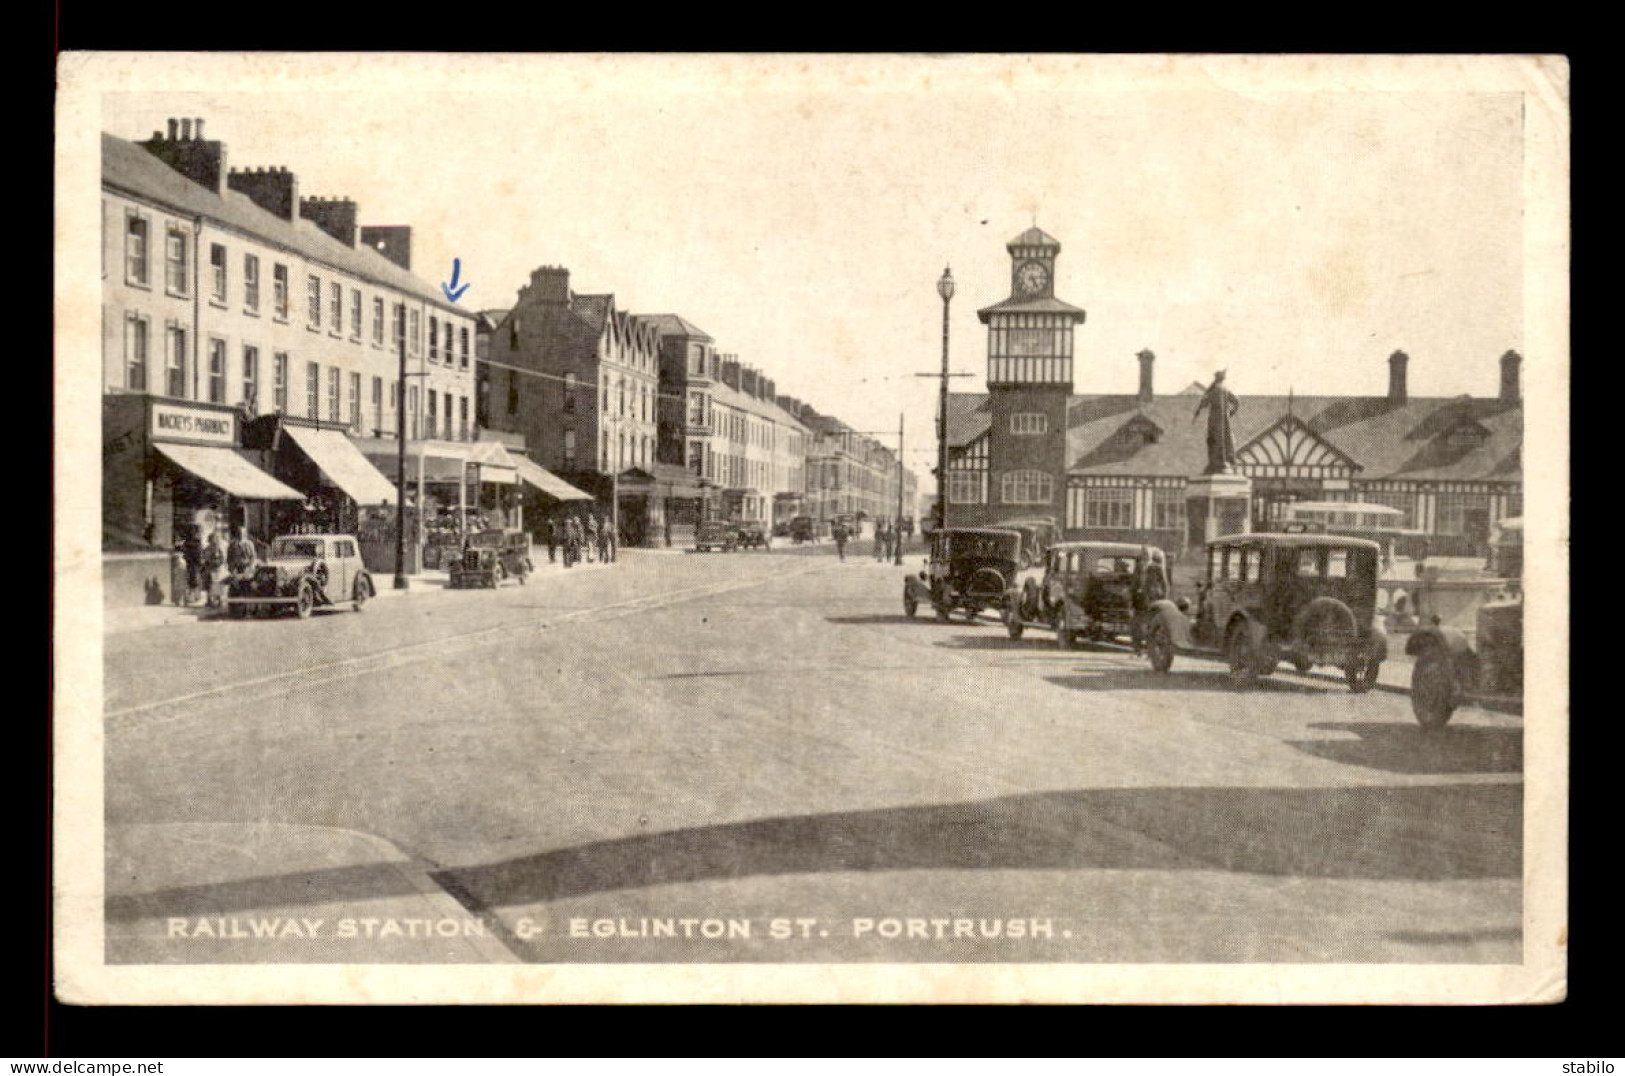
(1383, 438)
(1034, 237)
(675, 325)
(593, 310)
(129, 168)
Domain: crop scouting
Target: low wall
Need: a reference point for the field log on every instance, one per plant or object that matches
(131, 579)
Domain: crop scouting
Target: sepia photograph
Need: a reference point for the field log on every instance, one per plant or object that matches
(809, 528)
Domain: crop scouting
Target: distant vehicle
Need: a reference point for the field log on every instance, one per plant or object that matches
(1450, 671)
(301, 572)
(1380, 523)
(491, 557)
(1099, 591)
(716, 534)
(1309, 599)
(803, 529)
(970, 569)
(753, 535)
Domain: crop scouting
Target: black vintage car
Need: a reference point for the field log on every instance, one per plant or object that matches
(491, 557)
(1099, 591)
(1306, 599)
(971, 569)
(752, 535)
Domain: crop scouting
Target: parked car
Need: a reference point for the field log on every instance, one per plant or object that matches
(300, 573)
(1450, 670)
(803, 529)
(1100, 591)
(970, 569)
(716, 534)
(752, 535)
(491, 557)
(1308, 599)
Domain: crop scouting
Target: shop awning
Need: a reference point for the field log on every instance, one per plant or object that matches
(548, 482)
(224, 469)
(442, 461)
(343, 464)
(496, 464)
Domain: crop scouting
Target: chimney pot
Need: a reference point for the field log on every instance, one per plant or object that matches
(186, 130)
(1511, 362)
(1147, 361)
(174, 125)
(1398, 388)
(199, 128)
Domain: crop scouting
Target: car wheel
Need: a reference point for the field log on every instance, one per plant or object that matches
(1013, 622)
(362, 593)
(1362, 676)
(942, 612)
(1065, 637)
(307, 602)
(1433, 689)
(1303, 665)
(1159, 648)
(910, 606)
(1242, 657)
(236, 612)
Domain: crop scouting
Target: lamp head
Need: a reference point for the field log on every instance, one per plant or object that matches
(945, 286)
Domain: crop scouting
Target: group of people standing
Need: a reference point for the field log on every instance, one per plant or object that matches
(580, 536)
(889, 536)
(206, 558)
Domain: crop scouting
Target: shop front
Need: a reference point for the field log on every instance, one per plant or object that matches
(546, 493)
(500, 499)
(344, 491)
(173, 473)
(440, 479)
(741, 505)
(661, 508)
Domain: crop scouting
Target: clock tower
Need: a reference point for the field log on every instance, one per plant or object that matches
(1029, 384)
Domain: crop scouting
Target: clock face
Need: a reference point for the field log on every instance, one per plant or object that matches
(1032, 278)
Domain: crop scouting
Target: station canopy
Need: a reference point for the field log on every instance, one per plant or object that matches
(224, 469)
(343, 465)
(548, 482)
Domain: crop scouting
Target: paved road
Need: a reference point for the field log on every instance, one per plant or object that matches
(617, 765)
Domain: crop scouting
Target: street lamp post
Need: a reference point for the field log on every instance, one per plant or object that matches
(897, 525)
(400, 461)
(945, 288)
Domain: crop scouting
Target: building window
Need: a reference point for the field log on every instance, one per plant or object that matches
(400, 325)
(335, 307)
(175, 362)
(462, 346)
(251, 283)
(412, 407)
(1168, 509)
(313, 302)
(569, 448)
(1462, 513)
(620, 396)
(415, 335)
(279, 382)
(449, 430)
(217, 370)
(175, 259)
(1029, 422)
(251, 378)
(378, 321)
(696, 410)
(434, 413)
(136, 233)
(513, 391)
(1026, 487)
(313, 390)
(1515, 502)
(462, 418)
(355, 402)
(217, 272)
(1108, 506)
(279, 291)
(569, 392)
(378, 406)
(137, 341)
(434, 338)
(332, 393)
(355, 314)
(967, 487)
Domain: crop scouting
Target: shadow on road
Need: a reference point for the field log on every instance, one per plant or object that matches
(1409, 748)
(1143, 679)
(1422, 833)
(1034, 639)
(884, 618)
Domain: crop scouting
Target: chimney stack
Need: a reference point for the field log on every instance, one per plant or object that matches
(1398, 391)
(335, 216)
(1510, 364)
(549, 284)
(275, 190)
(1147, 361)
(393, 241)
(204, 163)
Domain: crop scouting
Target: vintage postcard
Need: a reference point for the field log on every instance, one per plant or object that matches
(972, 528)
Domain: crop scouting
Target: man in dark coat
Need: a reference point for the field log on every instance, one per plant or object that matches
(552, 533)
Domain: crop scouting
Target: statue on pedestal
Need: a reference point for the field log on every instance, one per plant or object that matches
(1221, 404)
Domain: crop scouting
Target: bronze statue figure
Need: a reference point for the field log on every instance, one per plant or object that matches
(1221, 404)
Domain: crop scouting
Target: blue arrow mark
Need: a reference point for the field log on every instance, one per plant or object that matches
(453, 292)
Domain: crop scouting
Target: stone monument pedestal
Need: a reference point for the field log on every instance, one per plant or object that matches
(1217, 505)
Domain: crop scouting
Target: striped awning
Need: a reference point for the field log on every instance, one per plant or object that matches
(548, 482)
(224, 469)
(343, 465)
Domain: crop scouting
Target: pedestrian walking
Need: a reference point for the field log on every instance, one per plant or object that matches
(241, 554)
(572, 541)
(605, 540)
(839, 534)
(552, 530)
(590, 536)
(880, 540)
(192, 554)
(214, 565)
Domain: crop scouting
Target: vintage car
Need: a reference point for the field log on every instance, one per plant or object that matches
(490, 557)
(301, 572)
(1450, 670)
(752, 535)
(1099, 591)
(716, 534)
(803, 529)
(969, 569)
(1308, 599)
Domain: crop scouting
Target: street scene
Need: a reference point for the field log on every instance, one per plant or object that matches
(793, 550)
